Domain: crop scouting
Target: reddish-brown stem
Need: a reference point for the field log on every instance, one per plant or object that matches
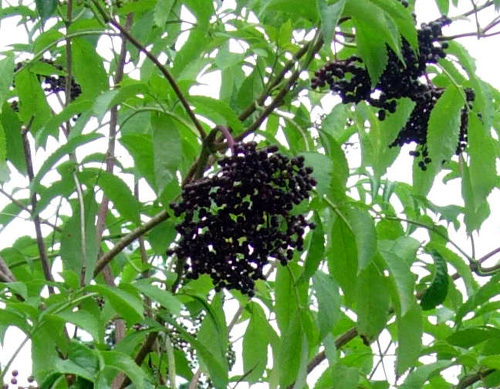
(36, 219)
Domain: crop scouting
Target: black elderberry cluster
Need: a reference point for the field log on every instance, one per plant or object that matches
(234, 221)
(51, 84)
(350, 79)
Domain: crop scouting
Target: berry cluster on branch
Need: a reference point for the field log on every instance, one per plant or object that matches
(349, 79)
(237, 219)
(52, 84)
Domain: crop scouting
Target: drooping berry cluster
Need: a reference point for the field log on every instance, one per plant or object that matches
(52, 84)
(237, 219)
(350, 79)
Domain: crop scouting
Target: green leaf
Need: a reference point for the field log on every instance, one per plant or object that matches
(10, 317)
(402, 18)
(73, 253)
(342, 259)
(345, 377)
(444, 123)
(329, 15)
(444, 6)
(290, 351)
(127, 365)
(213, 332)
(88, 68)
(322, 170)
(328, 296)
(286, 294)
(114, 189)
(217, 111)
(69, 147)
(164, 297)
(365, 236)
(124, 303)
(162, 11)
(316, 250)
(167, 148)
(373, 32)
(33, 106)
(217, 370)
(14, 143)
(480, 178)
(403, 278)
(470, 337)
(418, 377)
(372, 302)
(86, 321)
(6, 77)
(255, 343)
(410, 331)
(140, 147)
(46, 8)
(297, 8)
(437, 291)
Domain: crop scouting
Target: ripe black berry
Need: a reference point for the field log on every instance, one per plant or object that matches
(238, 218)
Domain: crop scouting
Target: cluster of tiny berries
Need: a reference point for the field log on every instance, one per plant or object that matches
(14, 381)
(234, 221)
(350, 79)
(52, 84)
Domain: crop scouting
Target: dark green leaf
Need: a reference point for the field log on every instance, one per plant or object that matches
(46, 8)
(437, 291)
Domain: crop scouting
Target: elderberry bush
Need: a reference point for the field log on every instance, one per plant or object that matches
(236, 220)
(350, 80)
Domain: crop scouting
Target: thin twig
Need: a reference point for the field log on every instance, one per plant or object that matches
(129, 238)
(283, 92)
(488, 255)
(27, 209)
(36, 219)
(158, 64)
(469, 380)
